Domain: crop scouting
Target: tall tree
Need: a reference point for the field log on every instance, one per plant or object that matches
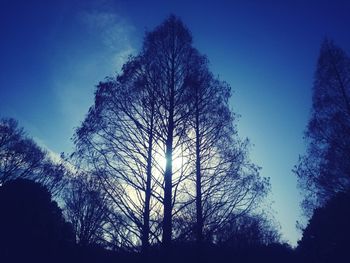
(324, 170)
(167, 105)
(169, 47)
(226, 182)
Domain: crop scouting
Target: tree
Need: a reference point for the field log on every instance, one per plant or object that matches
(21, 157)
(166, 105)
(169, 46)
(31, 224)
(249, 230)
(86, 209)
(226, 182)
(324, 170)
(148, 100)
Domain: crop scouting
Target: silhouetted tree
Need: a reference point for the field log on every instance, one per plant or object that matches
(324, 170)
(326, 238)
(146, 101)
(31, 225)
(165, 104)
(21, 157)
(86, 209)
(226, 182)
(169, 47)
(248, 231)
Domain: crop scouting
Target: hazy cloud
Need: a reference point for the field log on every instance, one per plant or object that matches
(99, 47)
(54, 156)
(113, 31)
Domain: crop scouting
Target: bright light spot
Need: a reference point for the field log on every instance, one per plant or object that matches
(177, 163)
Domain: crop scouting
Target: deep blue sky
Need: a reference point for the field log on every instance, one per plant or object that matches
(53, 53)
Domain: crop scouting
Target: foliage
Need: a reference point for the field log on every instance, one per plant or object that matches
(324, 170)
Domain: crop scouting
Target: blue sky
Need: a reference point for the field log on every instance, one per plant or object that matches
(53, 53)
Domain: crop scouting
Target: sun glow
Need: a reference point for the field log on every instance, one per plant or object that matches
(179, 161)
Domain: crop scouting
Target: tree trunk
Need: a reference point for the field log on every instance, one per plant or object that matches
(167, 219)
(199, 211)
(146, 215)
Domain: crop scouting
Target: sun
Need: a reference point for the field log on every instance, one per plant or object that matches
(179, 161)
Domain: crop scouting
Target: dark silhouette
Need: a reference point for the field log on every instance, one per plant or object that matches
(33, 230)
(31, 224)
(85, 208)
(166, 105)
(323, 172)
(169, 46)
(160, 174)
(246, 231)
(326, 238)
(325, 168)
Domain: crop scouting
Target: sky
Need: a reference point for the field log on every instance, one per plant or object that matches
(54, 53)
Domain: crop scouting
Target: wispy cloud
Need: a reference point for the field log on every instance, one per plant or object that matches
(113, 31)
(99, 48)
(54, 156)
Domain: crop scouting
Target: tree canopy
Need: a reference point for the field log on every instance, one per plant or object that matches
(162, 140)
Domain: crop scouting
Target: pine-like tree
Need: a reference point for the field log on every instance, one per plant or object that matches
(325, 169)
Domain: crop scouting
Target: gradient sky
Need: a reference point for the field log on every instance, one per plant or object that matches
(53, 53)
